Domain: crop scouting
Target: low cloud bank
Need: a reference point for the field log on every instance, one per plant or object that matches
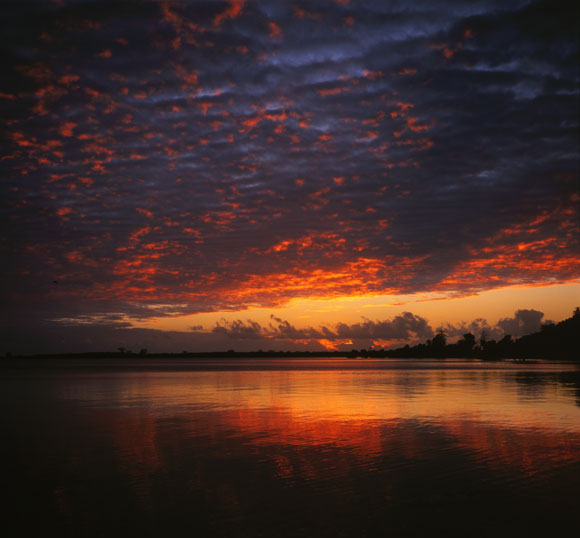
(66, 336)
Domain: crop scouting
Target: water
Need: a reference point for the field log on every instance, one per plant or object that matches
(314, 448)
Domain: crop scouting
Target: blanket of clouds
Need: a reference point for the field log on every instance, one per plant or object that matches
(165, 157)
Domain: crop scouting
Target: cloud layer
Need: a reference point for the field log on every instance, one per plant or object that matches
(171, 157)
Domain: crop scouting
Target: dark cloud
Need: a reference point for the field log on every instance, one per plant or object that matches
(283, 329)
(524, 322)
(172, 157)
(478, 327)
(110, 332)
(239, 329)
(404, 327)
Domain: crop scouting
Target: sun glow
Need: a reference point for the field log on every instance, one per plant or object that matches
(557, 303)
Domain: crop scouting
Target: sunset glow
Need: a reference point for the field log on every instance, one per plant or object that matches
(243, 175)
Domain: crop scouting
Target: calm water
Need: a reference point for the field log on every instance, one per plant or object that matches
(271, 448)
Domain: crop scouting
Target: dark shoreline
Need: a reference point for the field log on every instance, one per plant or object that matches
(362, 355)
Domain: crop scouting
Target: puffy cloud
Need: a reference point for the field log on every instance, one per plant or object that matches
(524, 322)
(402, 328)
(238, 329)
(283, 329)
(478, 327)
(405, 327)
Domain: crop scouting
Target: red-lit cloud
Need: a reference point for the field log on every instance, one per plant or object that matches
(167, 157)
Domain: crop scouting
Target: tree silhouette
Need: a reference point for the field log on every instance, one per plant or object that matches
(467, 341)
(439, 340)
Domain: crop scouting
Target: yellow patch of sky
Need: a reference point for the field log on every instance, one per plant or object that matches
(556, 301)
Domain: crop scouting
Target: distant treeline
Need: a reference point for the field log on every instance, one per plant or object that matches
(144, 354)
(559, 341)
(553, 341)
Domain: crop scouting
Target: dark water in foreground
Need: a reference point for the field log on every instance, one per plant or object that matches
(317, 448)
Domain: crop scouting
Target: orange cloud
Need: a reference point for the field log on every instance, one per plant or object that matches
(334, 345)
(145, 212)
(233, 11)
(275, 31)
(372, 75)
(332, 91)
(419, 144)
(303, 14)
(446, 50)
(67, 129)
(407, 71)
(68, 79)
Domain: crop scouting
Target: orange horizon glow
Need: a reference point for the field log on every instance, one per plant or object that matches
(557, 301)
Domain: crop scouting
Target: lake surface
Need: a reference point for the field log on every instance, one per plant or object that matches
(313, 448)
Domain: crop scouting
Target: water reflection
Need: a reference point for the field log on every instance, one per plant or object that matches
(327, 451)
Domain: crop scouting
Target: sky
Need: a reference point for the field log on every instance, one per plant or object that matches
(285, 174)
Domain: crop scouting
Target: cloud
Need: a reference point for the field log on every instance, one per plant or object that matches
(108, 332)
(238, 329)
(524, 322)
(404, 327)
(478, 327)
(283, 329)
(181, 157)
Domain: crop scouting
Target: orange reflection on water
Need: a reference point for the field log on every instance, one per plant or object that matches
(529, 452)
(346, 417)
(241, 448)
(503, 395)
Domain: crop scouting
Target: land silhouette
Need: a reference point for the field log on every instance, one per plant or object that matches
(554, 341)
